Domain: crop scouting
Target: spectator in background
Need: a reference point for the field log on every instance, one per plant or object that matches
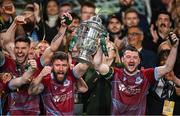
(164, 46)
(30, 28)
(65, 7)
(87, 10)
(158, 6)
(131, 18)
(177, 29)
(175, 12)
(115, 29)
(161, 29)
(8, 12)
(49, 23)
(135, 37)
(140, 8)
(177, 64)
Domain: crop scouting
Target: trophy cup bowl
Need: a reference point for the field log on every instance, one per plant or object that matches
(88, 37)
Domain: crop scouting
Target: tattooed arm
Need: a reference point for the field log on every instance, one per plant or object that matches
(55, 42)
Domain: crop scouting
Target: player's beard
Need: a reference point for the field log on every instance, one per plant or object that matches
(56, 78)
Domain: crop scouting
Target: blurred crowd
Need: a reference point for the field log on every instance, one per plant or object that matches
(35, 44)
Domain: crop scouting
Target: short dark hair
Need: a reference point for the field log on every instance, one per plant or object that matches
(165, 13)
(111, 16)
(59, 55)
(131, 10)
(66, 4)
(75, 16)
(88, 4)
(130, 48)
(23, 39)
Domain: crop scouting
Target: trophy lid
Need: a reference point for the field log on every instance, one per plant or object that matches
(94, 22)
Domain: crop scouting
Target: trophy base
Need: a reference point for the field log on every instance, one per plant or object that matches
(84, 57)
(84, 60)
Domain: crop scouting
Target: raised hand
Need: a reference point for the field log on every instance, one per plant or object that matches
(33, 64)
(154, 33)
(45, 71)
(20, 19)
(66, 19)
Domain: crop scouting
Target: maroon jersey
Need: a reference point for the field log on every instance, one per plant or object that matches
(16, 69)
(3, 95)
(58, 99)
(20, 102)
(129, 92)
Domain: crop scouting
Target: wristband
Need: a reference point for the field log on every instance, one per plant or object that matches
(109, 74)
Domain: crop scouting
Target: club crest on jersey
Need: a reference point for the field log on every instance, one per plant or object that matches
(55, 87)
(124, 78)
(138, 80)
(66, 83)
(56, 98)
(121, 87)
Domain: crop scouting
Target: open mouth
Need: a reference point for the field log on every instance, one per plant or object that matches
(131, 65)
(20, 57)
(60, 74)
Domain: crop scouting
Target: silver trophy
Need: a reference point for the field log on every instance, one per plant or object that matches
(87, 36)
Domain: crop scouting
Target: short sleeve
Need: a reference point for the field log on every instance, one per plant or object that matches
(149, 74)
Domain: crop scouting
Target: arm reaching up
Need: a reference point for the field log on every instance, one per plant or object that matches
(98, 65)
(56, 41)
(9, 36)
(162, 70)
(80, 69)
